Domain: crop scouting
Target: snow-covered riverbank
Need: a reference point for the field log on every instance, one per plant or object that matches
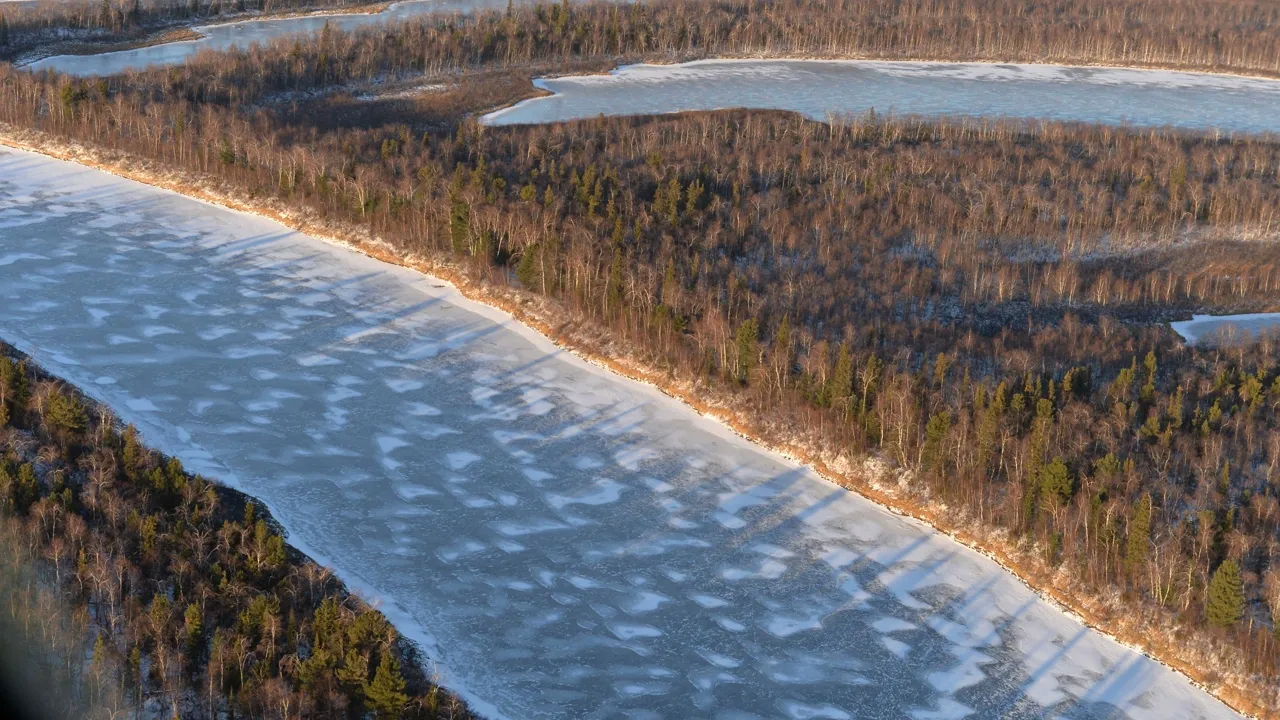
(819, 88)
(243, 34)
(1226, 327)
(565, 540)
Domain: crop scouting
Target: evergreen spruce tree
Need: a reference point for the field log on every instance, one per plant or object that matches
(841, 383)
(386, 692)
(1055, 481)
(193, 621)
(1139, 536)
(460, 226)
(747, 339)
(934, 433)
(783, 350)
(1226, 596)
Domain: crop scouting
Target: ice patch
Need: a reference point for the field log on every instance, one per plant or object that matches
(721, 661)
(404, 386)
(642, 602)
(631, 631)
(388, 443)
(897, 647)
(605, 491)
(891, 625)
(316, 360)
(517, 529)
(797, 710)
(769, 569)
(460, 460)
(948, 709)
(709, 601)
(418, 409)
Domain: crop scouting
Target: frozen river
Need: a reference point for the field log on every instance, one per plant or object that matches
(567, 543)
(1226, 328)
(818, 88)
(244, 34)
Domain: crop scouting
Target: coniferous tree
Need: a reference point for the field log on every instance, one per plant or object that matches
(386, 691)
(1226, 596)
(934, 433)
(1139, 541)
(747, 341)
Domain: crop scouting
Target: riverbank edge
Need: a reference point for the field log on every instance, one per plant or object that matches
(180, 31)
(869, 476)
(410, 651)
(540, 82)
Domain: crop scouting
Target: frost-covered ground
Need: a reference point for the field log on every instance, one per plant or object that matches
(569, 544)
(818, 88)
(217, 38)
(1226, 327)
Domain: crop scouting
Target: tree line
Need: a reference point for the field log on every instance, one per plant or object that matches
(975, 301)
(30, 26)
(131, 585)
(1231, 35)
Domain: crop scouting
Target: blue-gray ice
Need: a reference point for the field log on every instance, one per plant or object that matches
(566, 543)
(242, 35)
(1114, 96)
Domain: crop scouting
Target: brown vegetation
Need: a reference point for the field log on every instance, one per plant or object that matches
(947, 295)
(145, 586)
(1221, 35)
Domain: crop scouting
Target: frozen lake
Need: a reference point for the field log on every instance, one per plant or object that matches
(817, 88)
(1226, 327)
(244, 34)
(569, 544)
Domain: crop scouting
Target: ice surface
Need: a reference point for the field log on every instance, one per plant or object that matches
(552, 583)
(217, 38)
(819, 88)
(1226, 328)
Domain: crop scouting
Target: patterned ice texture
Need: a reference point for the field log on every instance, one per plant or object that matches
(818, 89)
(566, 543)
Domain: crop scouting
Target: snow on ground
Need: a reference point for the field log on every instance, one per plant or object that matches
(1222, 327)
(819, 88)
(567, 543)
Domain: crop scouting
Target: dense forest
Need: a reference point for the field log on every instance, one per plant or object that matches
(975, 302)
(1233, 35)
(95, 25)
(149, 587)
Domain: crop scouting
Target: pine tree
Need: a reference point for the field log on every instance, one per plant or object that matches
(614, 286)
(1139, 542)
(193, 621)
(747, 339)
(386, 692)
(934, 434)
(840, 387)
(460, 226)
(354, 672)
(1226, 596)
(783, 351)
(1055, 481)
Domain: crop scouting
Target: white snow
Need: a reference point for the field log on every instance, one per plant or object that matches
(510, 573)
(822, 88)
(1226, 327)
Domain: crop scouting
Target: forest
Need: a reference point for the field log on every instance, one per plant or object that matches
(1223, 35)
(146, 587)
(979, 303)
